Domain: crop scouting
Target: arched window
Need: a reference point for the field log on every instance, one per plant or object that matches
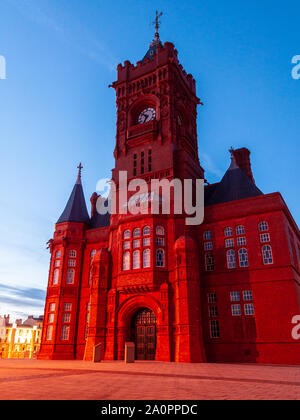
(93, 253)
(243, 257)
(55, 276)
(209, 262)
(136, 233)
(136, 260)
(70, 276)
(72, 253)
(126, 234)
(146, 258)
(228, 231)
(231, 263)
(240, 230)
(160, 230)
(267, 254)
(263, 226)
(207, 235)
(58, 254)
(146, 231)
(160, 258)
(126, 261)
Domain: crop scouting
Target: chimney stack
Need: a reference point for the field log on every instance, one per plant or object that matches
(242, 158)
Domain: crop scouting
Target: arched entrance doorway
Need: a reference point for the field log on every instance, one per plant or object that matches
(143, 332)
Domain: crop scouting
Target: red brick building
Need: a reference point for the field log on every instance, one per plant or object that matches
(225, 290)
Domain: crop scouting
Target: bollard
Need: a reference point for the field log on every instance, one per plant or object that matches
(97, 353)
(129, 352)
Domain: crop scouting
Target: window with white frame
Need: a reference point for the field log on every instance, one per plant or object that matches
(160, 258)
(146, 242)
(72, 253)
(236, 310)
(240, 230)
(55, 276)
(50, 318)
(243, 257)
(241, 241)
(136, 257)
(126, 261)
(146, 231)
(57, 263)
(228, 231)
(264, 237)
(66, 318)
(146, 258)
(160, 230)
(71, 263)
(136, 243)
(207, 235)
(65, 331)
(213, 311)
(230, 255)
(126, 245)
(234, 296)
(214, 327)
(229, 243)
(267, 254)
(247, 295)
(160, 241)
(70, 276)
(249, 309)
(51, 307)
(209, 262)
(126, 234)
(208, 246)
(263, 226)
(136, 233)
(49, 332)
(58, 254)
(67, 307)
(212, 298)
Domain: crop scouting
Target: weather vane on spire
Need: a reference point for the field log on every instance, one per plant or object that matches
(157, 23)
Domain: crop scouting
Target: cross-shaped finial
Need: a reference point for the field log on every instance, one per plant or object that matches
(79, 167)
(157, 23)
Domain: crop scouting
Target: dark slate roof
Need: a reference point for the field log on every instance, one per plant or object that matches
(152, 49)
(100, 220)
(75, 210)
(235, 185)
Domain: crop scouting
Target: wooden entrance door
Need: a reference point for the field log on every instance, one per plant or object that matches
(145, 335)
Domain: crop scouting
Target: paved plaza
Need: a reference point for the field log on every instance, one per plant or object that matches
(52, 380)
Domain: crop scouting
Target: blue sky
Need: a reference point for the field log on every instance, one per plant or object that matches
(56, 108)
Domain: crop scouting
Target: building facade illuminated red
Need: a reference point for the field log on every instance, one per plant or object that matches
(223, 291)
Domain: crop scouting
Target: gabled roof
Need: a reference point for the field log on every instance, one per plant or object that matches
(75, 210)
(235, 185)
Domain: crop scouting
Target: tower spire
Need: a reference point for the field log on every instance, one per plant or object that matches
(79, 167)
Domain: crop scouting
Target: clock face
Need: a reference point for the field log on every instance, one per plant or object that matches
(146, 115)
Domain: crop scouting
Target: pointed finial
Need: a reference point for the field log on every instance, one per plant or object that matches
(79, 167)
(157, 23)
(233, 160)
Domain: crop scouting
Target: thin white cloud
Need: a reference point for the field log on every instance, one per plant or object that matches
(210, 166)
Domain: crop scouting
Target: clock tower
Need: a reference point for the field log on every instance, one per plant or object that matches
(155, 275)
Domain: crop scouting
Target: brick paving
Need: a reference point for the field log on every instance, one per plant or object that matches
(55, 380)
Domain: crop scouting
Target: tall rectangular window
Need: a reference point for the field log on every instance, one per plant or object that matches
(214, 328)
(49, 332)
(234, 296)
(212, 297)
(65, 330)
(249, 309)
(236, 310)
